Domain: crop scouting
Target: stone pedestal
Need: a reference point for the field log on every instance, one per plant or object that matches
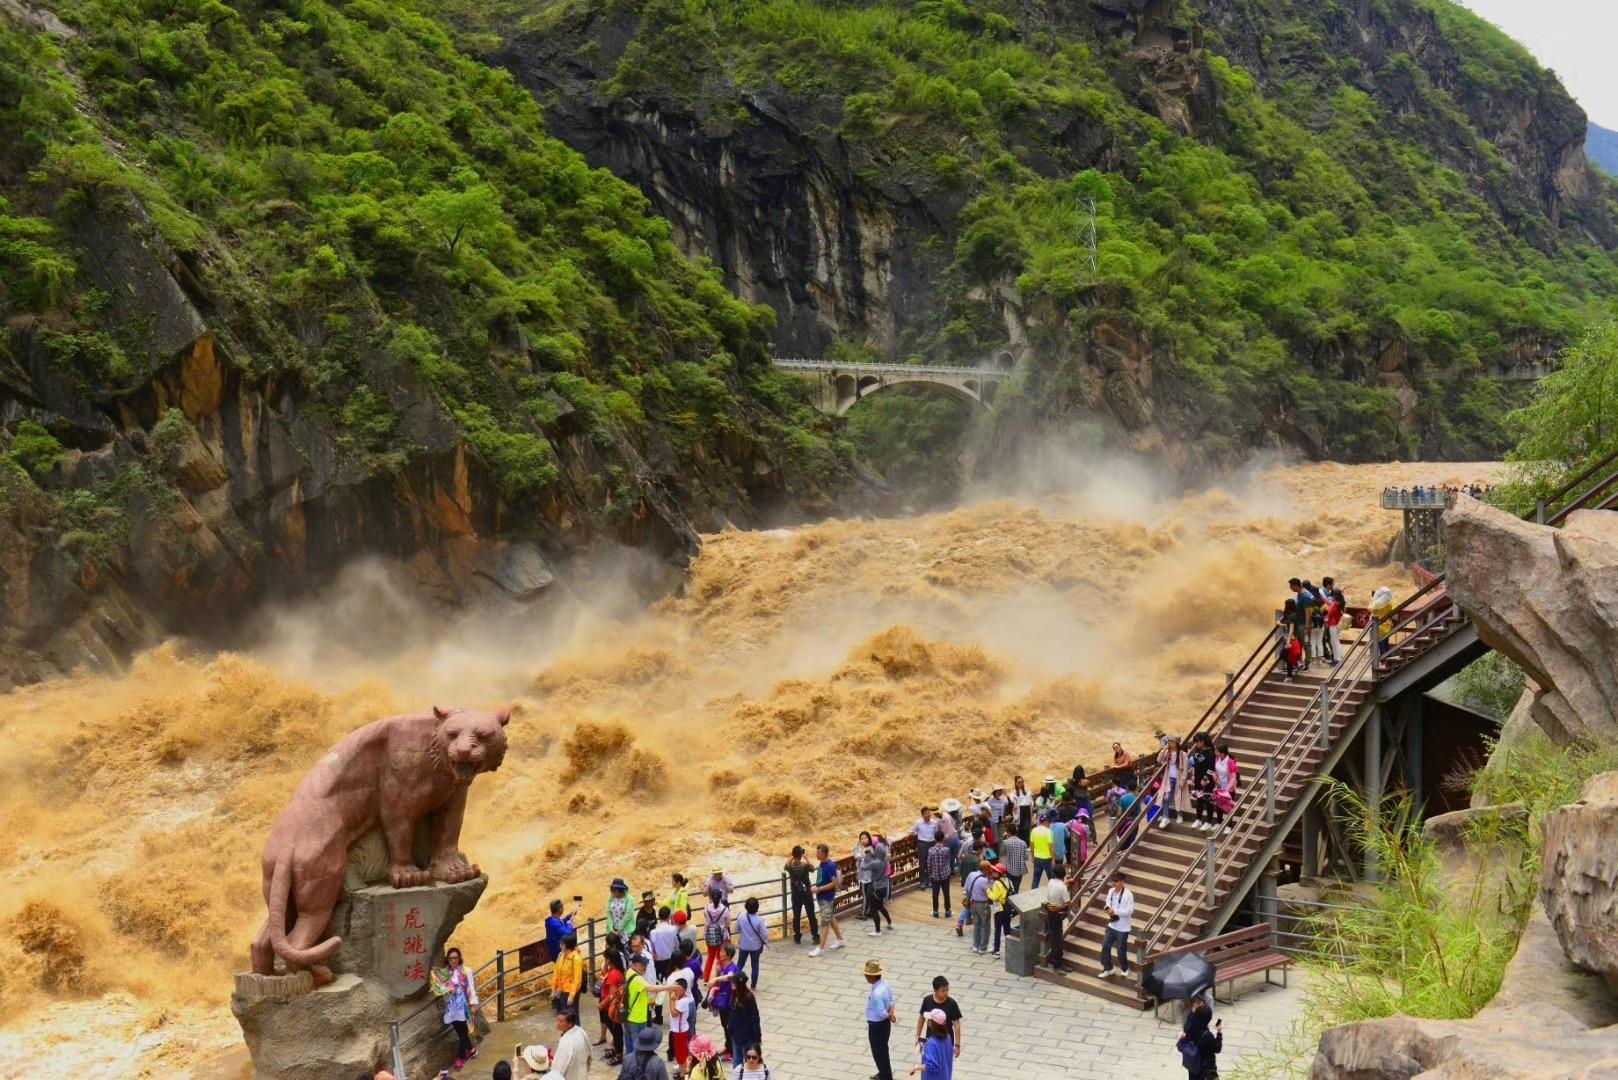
(391, 938)
(395, 935)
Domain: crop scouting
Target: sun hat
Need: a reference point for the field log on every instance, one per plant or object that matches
(976, 793)
(703, 1047)
(680, 917)
(950, 806)
(936, 1016)
(648, 1039)
(1050, 779)
(648, 895)
(619, 883)
(873, 967)
(997, 787)
(536, 1057)
(717, 870)
(1000, 868)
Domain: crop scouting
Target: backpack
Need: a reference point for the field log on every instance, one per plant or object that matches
(613, 1004)
(1190, 1054)
(713, 934)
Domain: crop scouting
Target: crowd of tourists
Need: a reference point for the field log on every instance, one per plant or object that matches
(1311, 625)
(1434, 492)
(661, 969)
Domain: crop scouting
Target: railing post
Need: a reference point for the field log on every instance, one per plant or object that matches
(1323, 731)
(1376, 645)
(1210, 875)
(1539, 511)
(1230, 693)
(500, 986)
(784, 905)
(590, 929)
(1269, 791)
(395, 1051)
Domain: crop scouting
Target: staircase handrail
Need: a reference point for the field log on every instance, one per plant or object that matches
(1583, 475)
(1244, 817)
(1359, 664)
(1589, 494)
(1107, 854)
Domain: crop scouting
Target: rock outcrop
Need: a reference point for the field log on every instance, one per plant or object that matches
(1580, 885)
(1548, 599)
(1548, 1022)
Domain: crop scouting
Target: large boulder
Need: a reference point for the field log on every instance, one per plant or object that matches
(1579, 886)
(1548, 1022)
(1548, 599)
(339, 1030)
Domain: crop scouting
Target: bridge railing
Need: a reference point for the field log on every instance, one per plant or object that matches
(793, 363)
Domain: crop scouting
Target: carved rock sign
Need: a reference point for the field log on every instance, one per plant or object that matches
(396, 935)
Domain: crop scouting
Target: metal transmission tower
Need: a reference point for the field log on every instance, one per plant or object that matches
(1087, 227)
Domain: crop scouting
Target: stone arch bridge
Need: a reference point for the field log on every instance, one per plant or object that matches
(838, 386)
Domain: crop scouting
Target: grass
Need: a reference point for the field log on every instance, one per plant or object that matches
(1418, 946)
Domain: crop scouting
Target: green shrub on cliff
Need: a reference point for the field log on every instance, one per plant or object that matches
(367, 206)
(1571, 420)
(1280, 257)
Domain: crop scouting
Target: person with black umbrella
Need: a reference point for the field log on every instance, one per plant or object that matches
(1198, 1045)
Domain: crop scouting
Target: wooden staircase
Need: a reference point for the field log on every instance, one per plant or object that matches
(1284, 735)
(1154, 866)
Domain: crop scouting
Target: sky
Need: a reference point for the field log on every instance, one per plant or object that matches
(1578, 39)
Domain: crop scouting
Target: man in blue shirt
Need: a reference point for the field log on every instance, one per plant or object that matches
(827, 879)
(879, 1017)
(557, 927)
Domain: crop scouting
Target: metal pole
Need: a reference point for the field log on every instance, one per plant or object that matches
(500, 986)
(395, 1050)
(1413, 745)
(1376, 644)
(784, 906)
(1269, 791)
(1373, 784)
(1210, 876)
(1324, 728)
(590, 927)
(1539, 511)
(1230, 693)
(1311, 843)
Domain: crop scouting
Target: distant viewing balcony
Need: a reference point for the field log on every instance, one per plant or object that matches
(1412, 500)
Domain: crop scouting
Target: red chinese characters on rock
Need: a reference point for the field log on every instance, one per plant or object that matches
(413, 920)
(416, 972)
(414, 946)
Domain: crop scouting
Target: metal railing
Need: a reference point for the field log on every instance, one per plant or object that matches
(1111, 852)
(793, 363)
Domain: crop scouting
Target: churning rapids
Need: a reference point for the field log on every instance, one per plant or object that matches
(808, 683)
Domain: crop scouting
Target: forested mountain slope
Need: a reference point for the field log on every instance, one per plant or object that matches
(1347, 226)
(286, 283)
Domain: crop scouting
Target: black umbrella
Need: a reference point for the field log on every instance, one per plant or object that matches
(1183, 975)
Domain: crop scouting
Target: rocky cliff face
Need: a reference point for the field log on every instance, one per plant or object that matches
(358, 309)
(247, 492)
(848, 244)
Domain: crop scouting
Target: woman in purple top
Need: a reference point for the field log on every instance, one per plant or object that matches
(719, 998)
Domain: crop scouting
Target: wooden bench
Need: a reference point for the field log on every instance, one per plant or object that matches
(1234, 955)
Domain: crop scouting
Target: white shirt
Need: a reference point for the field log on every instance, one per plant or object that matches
(1023, 798)
(572, 1058)
(664, 939)
(680, 1016)
(1056, 894)
(1222, 772)
(1122, 902)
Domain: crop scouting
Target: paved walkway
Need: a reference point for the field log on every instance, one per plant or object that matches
(814, 1028)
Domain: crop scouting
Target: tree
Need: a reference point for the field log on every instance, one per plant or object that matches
(1572, 418)
(456, 215)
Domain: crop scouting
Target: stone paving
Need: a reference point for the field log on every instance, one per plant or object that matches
(814, 1027)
